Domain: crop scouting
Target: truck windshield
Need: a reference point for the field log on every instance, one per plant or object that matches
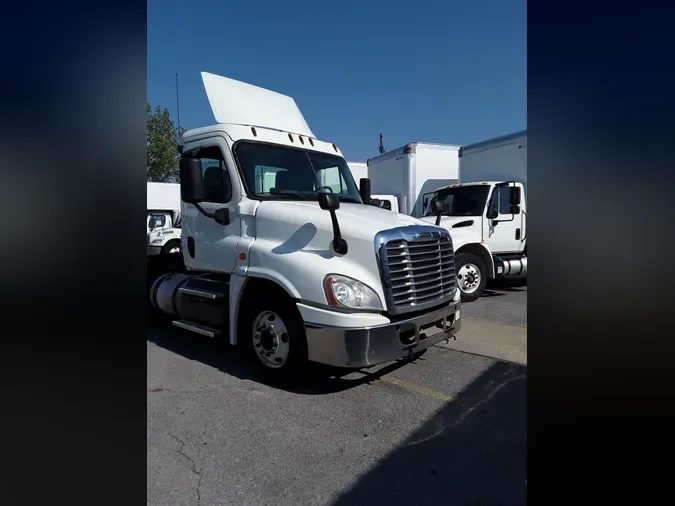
(273, 172)
(462, 200)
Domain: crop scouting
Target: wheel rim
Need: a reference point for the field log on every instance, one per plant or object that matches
(469, 278)
(175, 249)
(270, 339)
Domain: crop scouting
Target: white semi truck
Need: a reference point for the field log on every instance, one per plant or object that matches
(163, 221)
(296, 272)
(486, 209)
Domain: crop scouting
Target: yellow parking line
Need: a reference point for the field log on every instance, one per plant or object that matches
(418, 389)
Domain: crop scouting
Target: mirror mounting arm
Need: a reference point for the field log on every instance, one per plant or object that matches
(339, 244)
(221, 216)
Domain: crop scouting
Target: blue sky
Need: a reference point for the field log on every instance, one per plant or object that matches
(436, 71)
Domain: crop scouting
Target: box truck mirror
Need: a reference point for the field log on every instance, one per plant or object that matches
(364, 190)
(192, 189)
(438, 207)
(514, 197)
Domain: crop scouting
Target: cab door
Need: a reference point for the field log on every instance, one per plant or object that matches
(504, 220)
(207, 244)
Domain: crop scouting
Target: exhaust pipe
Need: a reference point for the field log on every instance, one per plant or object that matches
(511, 268)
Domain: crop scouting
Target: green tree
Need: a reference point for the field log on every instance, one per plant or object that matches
(162, 145)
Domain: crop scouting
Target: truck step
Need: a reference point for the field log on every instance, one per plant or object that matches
(197, 328)
(201, 293)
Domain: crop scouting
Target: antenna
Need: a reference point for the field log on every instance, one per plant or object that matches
(382, 150)
(177, 112)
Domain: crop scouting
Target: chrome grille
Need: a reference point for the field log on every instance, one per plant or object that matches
(419, 269)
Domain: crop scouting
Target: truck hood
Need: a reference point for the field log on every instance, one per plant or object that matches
(357, 221)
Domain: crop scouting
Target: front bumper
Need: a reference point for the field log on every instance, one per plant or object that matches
(154, 250)
(365, 347)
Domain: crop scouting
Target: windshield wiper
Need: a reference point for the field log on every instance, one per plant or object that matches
(290, 193)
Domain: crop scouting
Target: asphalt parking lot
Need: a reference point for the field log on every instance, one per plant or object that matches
(449, 428)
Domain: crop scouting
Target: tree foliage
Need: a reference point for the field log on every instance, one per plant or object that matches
(162, 145)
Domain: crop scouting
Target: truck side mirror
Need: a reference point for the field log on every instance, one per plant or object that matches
(514, 209)
(192, 190)
(438, 207)
(364, 190)
(329, 201)
(514, 197)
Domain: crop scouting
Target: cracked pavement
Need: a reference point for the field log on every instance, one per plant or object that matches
(449, 428)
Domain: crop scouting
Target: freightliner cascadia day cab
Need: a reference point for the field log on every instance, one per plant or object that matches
(486, 213)
(163, 221)
(298, 272)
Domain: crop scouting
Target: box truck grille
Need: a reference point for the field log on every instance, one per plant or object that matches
(420, 271)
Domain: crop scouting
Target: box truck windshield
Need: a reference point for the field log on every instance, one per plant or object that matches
(462, 200)
(281, 173)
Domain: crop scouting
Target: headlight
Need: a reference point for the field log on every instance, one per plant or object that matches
(345, 292)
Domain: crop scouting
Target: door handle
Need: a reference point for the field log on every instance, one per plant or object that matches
(517, 234)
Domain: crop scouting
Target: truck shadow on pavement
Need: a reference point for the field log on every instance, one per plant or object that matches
(472, 451)
(231, 360)
(502, 286)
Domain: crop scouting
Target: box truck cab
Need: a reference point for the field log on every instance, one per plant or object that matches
(292, 268)
(486, 213)
(163, 221)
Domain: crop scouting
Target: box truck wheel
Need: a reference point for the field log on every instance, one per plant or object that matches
(274, 334)
(471, 276)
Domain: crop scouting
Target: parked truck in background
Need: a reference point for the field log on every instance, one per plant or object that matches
(486, 213)
(359, 171)
(406, 175)
(163, 221)
(293, 271)
(486, 210)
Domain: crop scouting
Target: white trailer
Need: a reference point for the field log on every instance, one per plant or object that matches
(163, 221)
(486, 212)
(359, 170)
(408, 175)
(292, 272)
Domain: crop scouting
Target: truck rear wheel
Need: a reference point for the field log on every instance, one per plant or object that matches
(274, 334)
(471, 276)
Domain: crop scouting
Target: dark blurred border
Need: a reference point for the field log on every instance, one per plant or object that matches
(72, 104)
(601, 167)
(72, 148)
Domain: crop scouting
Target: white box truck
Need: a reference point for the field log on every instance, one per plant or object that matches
(486, 213)
(163, 221)
(292, 272)
(404, 176)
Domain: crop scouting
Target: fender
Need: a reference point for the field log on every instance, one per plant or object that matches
(464, 237)
(238, 284)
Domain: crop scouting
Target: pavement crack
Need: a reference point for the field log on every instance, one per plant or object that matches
(193, 465)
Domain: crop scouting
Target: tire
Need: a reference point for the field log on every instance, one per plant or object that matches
(171, 254)
(286, 360)
(471, 276)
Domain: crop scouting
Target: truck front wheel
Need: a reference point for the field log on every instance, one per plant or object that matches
(171, 254)
(471, 276)
(274, 334)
